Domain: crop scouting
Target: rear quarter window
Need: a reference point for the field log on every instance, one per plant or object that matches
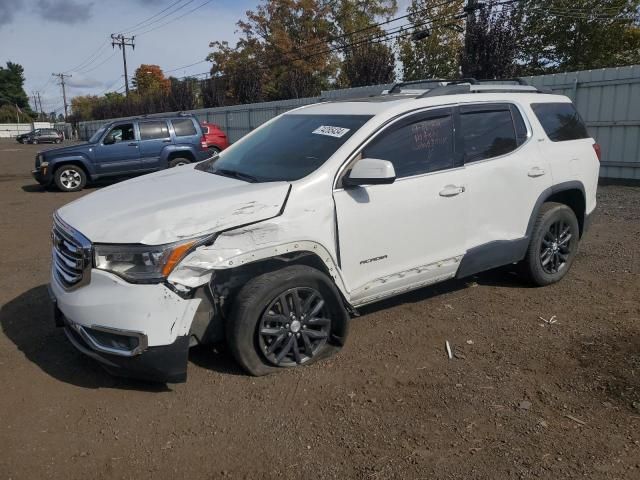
(561, 121)
(184, 127)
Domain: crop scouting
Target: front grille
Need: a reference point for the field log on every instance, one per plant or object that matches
(71, 255)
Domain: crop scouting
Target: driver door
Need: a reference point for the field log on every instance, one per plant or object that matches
(118, 152)
(410, 233)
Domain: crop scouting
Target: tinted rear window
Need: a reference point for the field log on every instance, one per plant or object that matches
(151, 130)
(487, 133)
(183, 127)
(560, 121)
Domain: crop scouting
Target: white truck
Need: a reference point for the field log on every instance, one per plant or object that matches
(274, 243)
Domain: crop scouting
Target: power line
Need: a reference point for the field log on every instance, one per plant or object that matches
(90, 59)
(176, 18)
(98, 65)
(131, 28)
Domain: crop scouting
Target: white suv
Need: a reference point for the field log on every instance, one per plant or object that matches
(271, 245)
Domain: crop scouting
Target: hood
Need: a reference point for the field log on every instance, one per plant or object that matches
(171, 205)
(78, 147)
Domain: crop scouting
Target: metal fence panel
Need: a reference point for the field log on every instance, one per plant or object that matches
(608, 100)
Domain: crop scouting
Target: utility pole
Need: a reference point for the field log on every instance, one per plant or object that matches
(123, 42)
(40, 102)
(64, 92)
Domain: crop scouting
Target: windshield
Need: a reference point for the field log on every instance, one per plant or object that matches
(287, 149)
(96, 136)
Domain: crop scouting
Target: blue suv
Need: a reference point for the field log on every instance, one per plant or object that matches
(124, 147)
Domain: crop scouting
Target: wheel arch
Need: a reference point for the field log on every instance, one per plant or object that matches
(571, 194)
(71, 161)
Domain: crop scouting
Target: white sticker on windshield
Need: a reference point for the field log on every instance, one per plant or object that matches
(330, 131)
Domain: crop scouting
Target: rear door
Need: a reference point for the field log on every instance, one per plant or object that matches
(154, 136)
(506, 175)
(118, 151)
(412, 232)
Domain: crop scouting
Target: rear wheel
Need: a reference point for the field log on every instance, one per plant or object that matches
(290, 317)
(70, 178)
(214, 151)
(553, 245)
(177, 162)
(34, 141)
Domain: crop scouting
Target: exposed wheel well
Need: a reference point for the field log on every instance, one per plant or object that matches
(574, 199)
(181, 154)
(226, 283)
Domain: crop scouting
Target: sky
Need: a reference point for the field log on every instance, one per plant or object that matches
(73, 37)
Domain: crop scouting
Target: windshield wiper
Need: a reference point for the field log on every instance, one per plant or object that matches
(234, 174)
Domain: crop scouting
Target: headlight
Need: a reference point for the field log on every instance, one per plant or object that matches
(143, 263)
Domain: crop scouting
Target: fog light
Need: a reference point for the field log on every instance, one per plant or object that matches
(111, 340)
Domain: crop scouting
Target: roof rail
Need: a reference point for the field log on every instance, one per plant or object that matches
(398, 85)
(483, 86)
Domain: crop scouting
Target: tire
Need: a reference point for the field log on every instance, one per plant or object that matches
(57, 140)
(70, 178)
(176, 162)
(553, 245)
(34, 142)
(258, 330)
(214, 151)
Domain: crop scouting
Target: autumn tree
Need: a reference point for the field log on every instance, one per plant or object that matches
(438, 54)
(239, 70)
(82, 107)
(150, 79)
(365, 57)
(584, 34)
(282, 52)
(492, 41)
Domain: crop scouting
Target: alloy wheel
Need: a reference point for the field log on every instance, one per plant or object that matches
(555, 249)
(70, 179)
(294, 327)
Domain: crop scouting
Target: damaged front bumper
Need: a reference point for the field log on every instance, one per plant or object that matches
(136, 331)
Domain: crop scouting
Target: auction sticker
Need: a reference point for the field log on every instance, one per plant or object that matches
(330, 131)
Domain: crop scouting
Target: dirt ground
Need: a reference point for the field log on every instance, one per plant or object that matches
(525, 399)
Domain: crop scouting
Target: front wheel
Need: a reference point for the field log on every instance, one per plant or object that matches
(34, 141)
(286, 318)
(178, 162)
(553, 245)
(70, 178)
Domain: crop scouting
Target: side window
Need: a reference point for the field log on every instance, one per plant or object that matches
(561, 121)
(419, 145)
(120, 133)
(183, 127)
(205, 129)
(153, 130)
(487, 132)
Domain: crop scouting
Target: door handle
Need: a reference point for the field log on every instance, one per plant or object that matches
(451, 191)
(133, 144)
(536, 172)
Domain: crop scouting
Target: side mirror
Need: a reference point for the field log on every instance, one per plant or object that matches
(370, 171)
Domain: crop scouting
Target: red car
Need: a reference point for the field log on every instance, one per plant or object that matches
(216, 139)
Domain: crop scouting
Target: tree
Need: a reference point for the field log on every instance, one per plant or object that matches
(82, 107)
(584, 34)
(12, 90)
(492, 41)
(366, 59)
(150, 79)
(438, 55)
(281, 52)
